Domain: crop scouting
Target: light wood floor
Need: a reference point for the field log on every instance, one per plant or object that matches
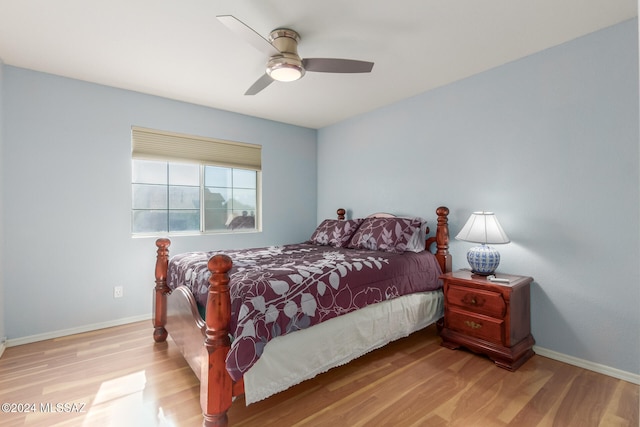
(119, 377)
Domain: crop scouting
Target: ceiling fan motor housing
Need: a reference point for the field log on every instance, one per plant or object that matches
(287, 66)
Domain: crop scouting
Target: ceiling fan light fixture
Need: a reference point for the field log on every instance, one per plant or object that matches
(284, 70)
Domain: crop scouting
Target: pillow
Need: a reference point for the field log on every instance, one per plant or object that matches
(334, 232)
(386, 234)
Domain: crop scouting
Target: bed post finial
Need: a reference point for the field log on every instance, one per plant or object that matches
(341, 213)
(442, 239)
(161, 290)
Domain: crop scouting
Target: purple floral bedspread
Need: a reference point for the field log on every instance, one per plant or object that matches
(281, 289)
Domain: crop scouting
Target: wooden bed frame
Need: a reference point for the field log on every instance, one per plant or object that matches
(189, 331)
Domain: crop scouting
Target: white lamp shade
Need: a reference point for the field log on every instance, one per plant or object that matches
(483, 227)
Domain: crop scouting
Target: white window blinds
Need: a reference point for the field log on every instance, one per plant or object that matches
(150, 144)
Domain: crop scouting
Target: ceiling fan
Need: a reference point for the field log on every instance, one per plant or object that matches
(284, 64)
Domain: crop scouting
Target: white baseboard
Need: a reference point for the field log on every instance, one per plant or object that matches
(3, 345)
(585, 364)
(72, 331)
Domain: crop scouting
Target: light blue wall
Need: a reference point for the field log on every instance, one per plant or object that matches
(67, 198)
(550, 143)
(555, 135)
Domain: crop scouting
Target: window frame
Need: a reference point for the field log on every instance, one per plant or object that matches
(173, 148)
(201, 208)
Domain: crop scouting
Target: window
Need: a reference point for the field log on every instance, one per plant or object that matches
(189, 194)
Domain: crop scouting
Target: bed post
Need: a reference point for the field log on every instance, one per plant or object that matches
(442, 239)
(216, 385)
(161, 291)
(341, 213)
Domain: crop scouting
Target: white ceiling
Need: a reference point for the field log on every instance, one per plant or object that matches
(178, 49)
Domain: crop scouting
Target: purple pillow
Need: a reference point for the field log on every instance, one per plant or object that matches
(336, 233)
(385, 234)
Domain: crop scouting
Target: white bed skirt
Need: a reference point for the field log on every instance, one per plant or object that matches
(290, 359)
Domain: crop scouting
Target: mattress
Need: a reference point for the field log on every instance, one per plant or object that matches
(290, 359)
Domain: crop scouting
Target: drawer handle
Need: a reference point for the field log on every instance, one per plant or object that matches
(471, 299)
(472, 324)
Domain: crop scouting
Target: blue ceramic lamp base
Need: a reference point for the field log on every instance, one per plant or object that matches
(483, 259)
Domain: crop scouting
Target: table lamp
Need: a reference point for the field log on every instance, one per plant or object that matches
(483, 227)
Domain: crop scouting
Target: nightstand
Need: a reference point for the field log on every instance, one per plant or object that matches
(487, 317)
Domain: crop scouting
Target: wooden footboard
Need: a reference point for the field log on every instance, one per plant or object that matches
(217, 389)
(186, 326)
(205, 346)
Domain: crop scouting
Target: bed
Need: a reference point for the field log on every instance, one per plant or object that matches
(257, 321)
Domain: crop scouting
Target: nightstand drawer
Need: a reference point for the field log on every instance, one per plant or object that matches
(484, 327)
(477, 300)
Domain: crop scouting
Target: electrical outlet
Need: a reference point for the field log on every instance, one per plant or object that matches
(118, 292)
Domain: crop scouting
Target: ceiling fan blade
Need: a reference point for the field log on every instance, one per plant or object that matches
(260, 84)
(334, 65)
(248, 34)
